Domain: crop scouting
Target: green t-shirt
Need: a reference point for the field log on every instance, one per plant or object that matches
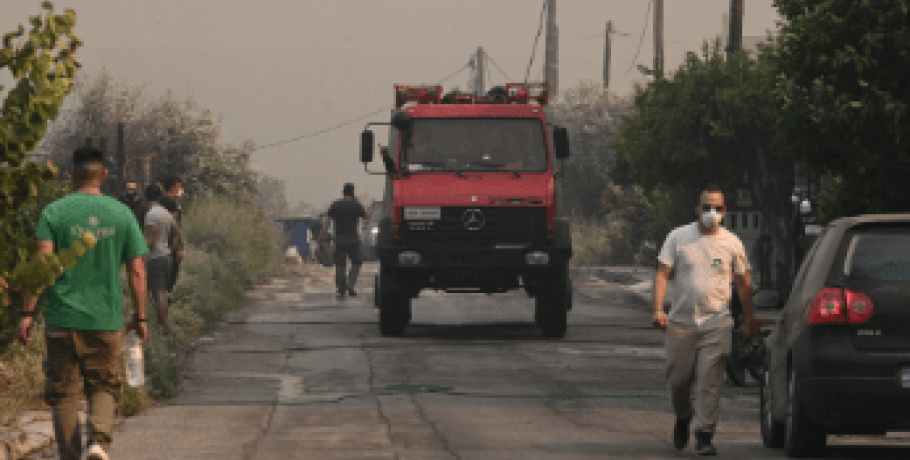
(88, 296)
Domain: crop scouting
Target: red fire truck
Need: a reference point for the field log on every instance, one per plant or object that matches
(470, 201)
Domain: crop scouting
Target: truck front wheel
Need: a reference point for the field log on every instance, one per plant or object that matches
(394, 305)
(553, 302)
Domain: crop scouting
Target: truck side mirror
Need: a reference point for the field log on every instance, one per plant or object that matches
(401, 121)
(366, 147)
(561, 142)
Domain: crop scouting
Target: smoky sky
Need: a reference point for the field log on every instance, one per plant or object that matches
(274, 70)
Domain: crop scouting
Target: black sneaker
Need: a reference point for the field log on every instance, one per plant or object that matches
(352, 292)
(681, 433)
(703, 443)
(340, 295)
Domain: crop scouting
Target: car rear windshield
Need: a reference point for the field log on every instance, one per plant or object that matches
(878, 255)
(477, 144)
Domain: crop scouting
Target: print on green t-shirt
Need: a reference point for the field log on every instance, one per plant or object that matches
(88, 296)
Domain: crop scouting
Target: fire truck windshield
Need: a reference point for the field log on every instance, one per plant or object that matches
(458, 144)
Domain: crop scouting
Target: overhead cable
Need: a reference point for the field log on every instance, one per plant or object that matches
(647, 13)
(341, 125)
(534, 49)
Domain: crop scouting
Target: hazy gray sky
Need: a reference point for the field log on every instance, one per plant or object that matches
(279, 69)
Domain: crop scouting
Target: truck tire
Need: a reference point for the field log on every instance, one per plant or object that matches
(394, 305)
(552, 305)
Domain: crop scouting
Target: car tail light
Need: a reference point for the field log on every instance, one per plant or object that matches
(840, 306)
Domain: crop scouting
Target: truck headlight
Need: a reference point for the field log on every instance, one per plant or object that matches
(375, 230)
(409, 258)
(537, 258)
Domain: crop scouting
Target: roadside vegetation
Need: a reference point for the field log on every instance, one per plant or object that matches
(230, 247)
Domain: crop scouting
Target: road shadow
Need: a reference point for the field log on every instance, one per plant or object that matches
(506, 331)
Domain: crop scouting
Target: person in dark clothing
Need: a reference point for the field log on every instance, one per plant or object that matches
(132, 200)
(345, 212)
(173, 189)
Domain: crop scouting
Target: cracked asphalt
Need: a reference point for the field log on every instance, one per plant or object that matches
(296, 374)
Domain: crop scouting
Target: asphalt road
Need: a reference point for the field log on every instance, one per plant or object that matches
(299, 375)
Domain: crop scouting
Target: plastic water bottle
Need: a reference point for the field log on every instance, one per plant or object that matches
(135, 368)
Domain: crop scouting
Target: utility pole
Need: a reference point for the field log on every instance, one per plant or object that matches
(735, 41)
(478, 72)
(658, 39)
(121, 158)
(607, 55)
(552, 59)
(725, 26)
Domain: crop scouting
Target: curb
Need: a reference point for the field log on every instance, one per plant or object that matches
(35, 432)
(638, 281)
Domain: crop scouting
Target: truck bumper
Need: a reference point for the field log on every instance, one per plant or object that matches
(484, 269)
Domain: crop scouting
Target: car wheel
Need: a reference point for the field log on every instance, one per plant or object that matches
(772, 431)
(801, 438)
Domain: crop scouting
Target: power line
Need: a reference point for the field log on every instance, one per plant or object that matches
(534, 49)
(631, 66)
(508, 78)
(562, 34)
(341, 125)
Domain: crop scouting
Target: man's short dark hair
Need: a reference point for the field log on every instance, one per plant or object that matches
(88, 164)
(712, 188)
(153, 193)
(348, 189)
(170, 182)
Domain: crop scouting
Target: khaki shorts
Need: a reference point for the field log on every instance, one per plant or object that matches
(82, 362)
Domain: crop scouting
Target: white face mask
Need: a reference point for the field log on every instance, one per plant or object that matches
(711, 219)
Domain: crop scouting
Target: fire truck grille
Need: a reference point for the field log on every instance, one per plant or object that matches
(478, 226)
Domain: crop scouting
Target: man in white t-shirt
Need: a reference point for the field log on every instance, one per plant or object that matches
(703, 257)
(161, 236)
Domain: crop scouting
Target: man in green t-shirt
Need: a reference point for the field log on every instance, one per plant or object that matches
(84, 320)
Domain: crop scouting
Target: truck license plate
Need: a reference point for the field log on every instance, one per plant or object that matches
(422, 213)
(905, 377)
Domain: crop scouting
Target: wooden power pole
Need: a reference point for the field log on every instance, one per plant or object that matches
(607, 55)
(552, 56)
(735, 40)
(658, 39)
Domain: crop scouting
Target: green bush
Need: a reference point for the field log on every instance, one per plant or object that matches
(589, 243)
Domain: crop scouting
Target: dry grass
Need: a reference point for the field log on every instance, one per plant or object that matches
(22, 378)
(589, 243)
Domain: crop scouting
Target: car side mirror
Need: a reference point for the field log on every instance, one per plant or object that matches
(366, 147)
(561, 142)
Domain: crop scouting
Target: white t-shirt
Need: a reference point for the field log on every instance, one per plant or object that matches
(704, 266)
(162, 220)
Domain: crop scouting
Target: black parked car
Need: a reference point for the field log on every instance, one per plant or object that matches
(838, 361)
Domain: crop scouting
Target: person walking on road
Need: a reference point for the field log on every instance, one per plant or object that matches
(161, 236)
(345, 212)
(702, 257)
(83, 318)
(173, 190)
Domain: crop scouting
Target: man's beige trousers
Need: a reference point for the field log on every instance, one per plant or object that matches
(703, 353)
(88, 363)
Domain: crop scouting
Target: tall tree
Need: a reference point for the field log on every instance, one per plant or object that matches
(591, 115)
(712, 121)
(846, 89)
(43, 65)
